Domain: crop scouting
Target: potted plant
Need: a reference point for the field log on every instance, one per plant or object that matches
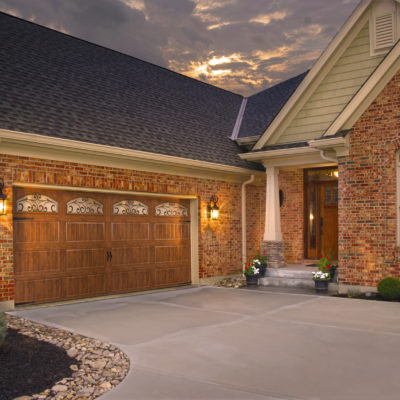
(251, 273)
(260, 261)
(325, 265)
(321, 280)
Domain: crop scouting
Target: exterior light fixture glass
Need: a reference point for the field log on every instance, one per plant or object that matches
(3, 198)
(213, 210)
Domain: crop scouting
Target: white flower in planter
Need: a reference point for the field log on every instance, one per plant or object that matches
(319, 275)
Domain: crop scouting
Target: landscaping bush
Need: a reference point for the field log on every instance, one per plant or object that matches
(3, 327)
(389, 288)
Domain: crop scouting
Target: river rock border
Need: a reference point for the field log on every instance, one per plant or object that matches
(99, 366)
(235, 282)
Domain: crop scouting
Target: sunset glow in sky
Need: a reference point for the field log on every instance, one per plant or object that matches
(240, 45)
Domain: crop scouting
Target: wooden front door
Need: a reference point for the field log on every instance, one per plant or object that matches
(73, 245)
(321, 219)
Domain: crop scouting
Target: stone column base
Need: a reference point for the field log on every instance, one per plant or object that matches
(275, 253)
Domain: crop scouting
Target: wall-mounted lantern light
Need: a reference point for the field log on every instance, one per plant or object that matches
(3, 198)
(213, 210)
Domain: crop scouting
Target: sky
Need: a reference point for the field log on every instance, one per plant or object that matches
(244, 46)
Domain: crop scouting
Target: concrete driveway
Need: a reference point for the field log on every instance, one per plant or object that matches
(216, 343)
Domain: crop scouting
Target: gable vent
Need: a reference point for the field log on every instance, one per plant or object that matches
(384, 31)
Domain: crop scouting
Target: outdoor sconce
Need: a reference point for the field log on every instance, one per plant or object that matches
(213, 210)
(3, 198)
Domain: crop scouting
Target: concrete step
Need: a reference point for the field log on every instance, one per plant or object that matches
(306, 283)
(289, 273)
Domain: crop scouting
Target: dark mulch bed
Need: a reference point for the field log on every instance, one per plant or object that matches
(364, 296)
(29, 366)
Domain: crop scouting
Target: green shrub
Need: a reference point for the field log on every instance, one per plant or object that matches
(3, 326)
(389, 288)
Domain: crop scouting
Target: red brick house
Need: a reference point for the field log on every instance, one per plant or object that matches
(110, 165)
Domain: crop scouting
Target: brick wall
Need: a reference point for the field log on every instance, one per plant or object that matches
(220, 241)
(291, 182)
(367, 194)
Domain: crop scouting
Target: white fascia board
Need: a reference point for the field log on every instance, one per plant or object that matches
(328, 142)
(263, 155)
(47, 142)
(355, 17)
(338, 145)
(368, 93)
(289, 158)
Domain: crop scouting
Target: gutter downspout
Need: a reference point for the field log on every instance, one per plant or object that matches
(244, 236)
(321, 152)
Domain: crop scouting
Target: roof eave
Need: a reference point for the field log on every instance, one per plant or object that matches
(13, 142)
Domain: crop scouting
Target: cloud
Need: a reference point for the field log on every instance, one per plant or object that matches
(242, 46)
(265, 19)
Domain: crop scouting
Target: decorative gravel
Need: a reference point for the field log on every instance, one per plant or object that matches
(237, 281)
(99, 366)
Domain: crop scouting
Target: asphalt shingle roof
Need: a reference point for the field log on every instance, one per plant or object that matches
(262, 108)
(56, 85)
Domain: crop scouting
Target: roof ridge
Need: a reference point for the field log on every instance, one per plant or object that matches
(119, 52)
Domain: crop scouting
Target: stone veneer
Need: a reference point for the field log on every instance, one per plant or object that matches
(275, 252)
(368, 213)
(220, 251)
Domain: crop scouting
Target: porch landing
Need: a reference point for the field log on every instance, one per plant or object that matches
(292, 276)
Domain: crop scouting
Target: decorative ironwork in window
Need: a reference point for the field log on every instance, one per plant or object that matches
(37, 203)
(171, 210)
(130, 207)
(84, 205)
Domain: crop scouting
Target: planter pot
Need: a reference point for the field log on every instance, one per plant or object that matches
(263, 268)
(252, 280)
(321, 285)
(332, 272)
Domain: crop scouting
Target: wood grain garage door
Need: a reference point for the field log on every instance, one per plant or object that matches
(73, 245)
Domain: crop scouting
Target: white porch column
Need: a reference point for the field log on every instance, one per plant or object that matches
(272, 230)
(273, 243)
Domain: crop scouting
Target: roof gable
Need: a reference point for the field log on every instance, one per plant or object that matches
(334, 92)
(345, 37)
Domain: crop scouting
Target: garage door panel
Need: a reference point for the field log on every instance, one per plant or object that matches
(130, 280)
(126, 231)
(86, 231)
(130, 256)
(172, 254)
(38, 290)
(36, 232)
(171, 275)
(85, 285)
(87, 258)
(171, 231)
(36, 262)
